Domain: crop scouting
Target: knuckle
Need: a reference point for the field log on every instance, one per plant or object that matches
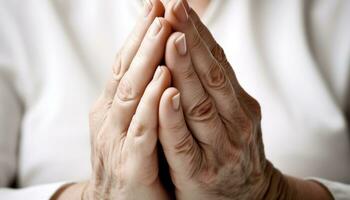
(246, 128)
(255, 108)
(143, 137)
(188, 73)
(218, 52)
(137, 128)
(185, 144)
(177, 126)
(203, 110)
(251, 104)
(215, 76)
(117, 69)
(125, 91)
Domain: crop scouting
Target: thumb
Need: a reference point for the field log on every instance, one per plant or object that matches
(180, 149)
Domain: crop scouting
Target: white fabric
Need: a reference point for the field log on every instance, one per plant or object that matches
(55, 57)
(339, 191)
(38, 192)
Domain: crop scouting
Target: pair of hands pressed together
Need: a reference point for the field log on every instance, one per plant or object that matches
(207, 125)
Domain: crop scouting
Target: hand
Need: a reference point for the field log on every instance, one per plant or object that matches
(124, 137)
(217, 152)
(124, 120)
(213, 143)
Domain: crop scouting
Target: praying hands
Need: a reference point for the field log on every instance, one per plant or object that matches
(207, 125)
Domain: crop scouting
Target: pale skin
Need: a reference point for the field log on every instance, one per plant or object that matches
(208, 126)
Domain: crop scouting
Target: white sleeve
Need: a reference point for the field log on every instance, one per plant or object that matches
(339, 191)
(11, 111)
(10, 116)
(40, 192)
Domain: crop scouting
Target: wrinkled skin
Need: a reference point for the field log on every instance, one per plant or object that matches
(208, 126)
(214, 147)
(124, 120)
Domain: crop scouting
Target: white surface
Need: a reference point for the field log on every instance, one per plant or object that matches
(55, 57)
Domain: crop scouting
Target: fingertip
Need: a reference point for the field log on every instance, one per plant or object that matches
(171, 117)
(165, 24)
(166, 108)
(158, 8)
(177, 13)
(172, 38)
(170, 45)
(166, 74)
(174, 135)
(177, 58)
(168, 94)
(169, 13)
(176, 50)
(181, 45)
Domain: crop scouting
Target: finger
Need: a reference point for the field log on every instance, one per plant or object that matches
(199, 108)
(219, 54)
(208, 69)
(152, 9)
(144, 124)
(142, 135)
(215, 49)
(180, 148)
(140, 72)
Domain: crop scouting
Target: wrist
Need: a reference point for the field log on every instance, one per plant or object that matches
(307, 189)
(283, 187)
(277, 185)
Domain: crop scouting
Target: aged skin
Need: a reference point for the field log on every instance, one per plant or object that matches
(219, 152)
(124, 120)
(208, 126)
(214, 143)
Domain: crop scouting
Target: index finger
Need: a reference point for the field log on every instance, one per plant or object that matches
(219, 54)
(151, 10)
(139, 74)
(212, 76)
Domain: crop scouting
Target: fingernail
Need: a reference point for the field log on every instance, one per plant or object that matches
(147, 7)
(180, 44)
(155, 27)
(176, 102)
(180, 12)
(158, 73)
